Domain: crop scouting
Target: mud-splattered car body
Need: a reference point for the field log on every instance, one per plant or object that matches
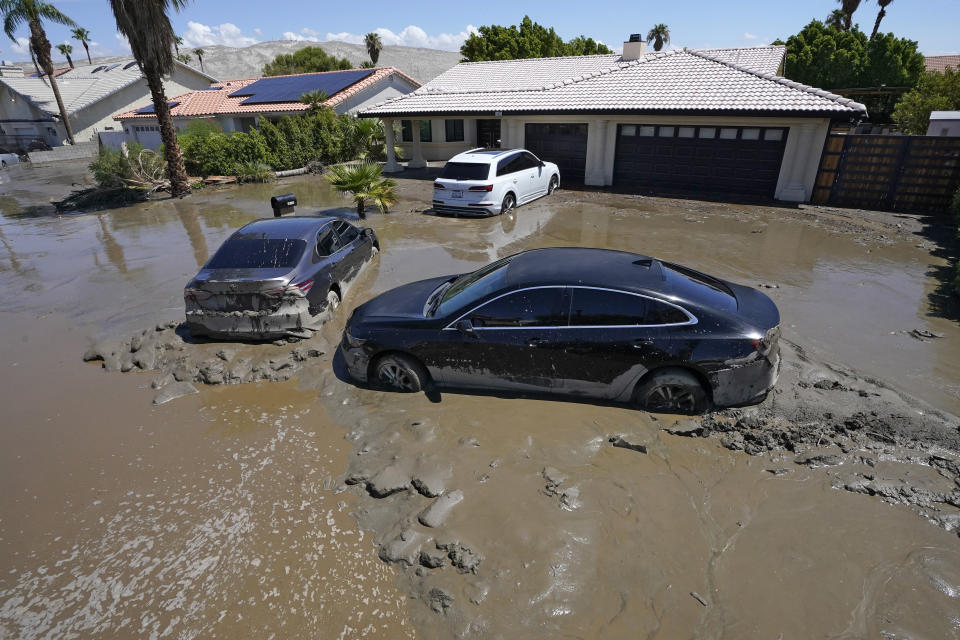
(588, 322)
(276, 277)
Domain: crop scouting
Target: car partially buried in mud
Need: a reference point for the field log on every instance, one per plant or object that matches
(595, 323)
(277, 277)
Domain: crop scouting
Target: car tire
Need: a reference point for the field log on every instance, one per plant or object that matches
(671, 391)
(333, 300)
(509, 202)
(400, 373)
(554, 185)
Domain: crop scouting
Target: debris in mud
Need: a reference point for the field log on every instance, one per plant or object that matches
(822, 460)
(437, 512)
(173, 391)
(696, 596)
(164, 349)
(464, 559)
(623, 443)
(764, 285)
(924, 335)
(439, 600)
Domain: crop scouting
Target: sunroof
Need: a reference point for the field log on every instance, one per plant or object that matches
(290, 88)
(149, 107)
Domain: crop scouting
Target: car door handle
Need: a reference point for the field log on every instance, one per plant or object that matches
(640, 343)
(534, 342)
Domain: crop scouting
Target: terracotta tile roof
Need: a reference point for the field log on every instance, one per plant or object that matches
(678, 80)
(942, 63)
(216, 100)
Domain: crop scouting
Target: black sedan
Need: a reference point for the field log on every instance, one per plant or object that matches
(602, 324)
(276, 277)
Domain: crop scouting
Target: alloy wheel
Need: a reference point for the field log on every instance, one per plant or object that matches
(671, 397)
(393, 375)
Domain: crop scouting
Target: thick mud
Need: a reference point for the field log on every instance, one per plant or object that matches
(308, 507)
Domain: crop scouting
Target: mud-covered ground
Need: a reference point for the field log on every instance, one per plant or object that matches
(280, 499)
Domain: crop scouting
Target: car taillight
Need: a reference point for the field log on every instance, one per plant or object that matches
(482, 187)
(196, 294)
(437, 185)
(301, 289)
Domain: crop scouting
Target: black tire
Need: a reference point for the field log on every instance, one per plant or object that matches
(509, 202)
(554, 184)
(672, 391)
(400, 373)
(333, 300)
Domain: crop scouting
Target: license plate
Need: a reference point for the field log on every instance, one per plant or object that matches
(456, 194)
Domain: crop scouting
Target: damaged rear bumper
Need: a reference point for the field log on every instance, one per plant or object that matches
(293, 318)
(745, 383)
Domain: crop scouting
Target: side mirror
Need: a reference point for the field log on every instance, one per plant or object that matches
(465, 327)
(542, 163)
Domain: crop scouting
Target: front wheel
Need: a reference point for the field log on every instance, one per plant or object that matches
(333, 300)
(672, 391)
(554, 184)
(398, 372)
(509, 202)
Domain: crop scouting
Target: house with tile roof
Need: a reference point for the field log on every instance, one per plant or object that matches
(92, 94)
(941, 63)
(237, 105)
(708, 121)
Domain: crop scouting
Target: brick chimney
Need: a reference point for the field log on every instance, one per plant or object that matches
(634, 47)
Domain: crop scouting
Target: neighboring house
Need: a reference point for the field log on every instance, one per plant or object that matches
(91, 95)
(691, 121)
(944, 123)
(942, 63)
(236, 105)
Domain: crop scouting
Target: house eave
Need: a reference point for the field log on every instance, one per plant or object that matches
(844, 115)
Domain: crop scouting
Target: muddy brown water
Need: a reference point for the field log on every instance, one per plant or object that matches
(223, 513)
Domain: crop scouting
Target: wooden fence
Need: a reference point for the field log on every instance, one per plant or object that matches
(910, 174)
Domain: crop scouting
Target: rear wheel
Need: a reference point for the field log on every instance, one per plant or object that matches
(333, 300)
(671, 391)
(554, 183)
(399, 372)
(509, 202)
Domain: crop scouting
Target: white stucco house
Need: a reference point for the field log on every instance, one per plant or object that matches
(703, 121)
(237, 105)
(944, 123)
(92, 94)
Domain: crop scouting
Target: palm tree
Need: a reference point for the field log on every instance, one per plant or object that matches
(184, 58)
(33, 12)
(883, 11)
(199, 53)
(849, 7)
(83, 36)
(66, 50)
(836, 20)
(660, 34)
(364, 182)
(177, 41)
(315, 99)
(374, 46)
(147, 27)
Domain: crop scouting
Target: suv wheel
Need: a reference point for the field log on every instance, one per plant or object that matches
(554, 183)
(509, 202)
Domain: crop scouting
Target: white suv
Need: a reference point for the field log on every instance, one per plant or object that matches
(492, 181)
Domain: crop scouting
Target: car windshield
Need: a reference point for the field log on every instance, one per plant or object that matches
(471, 287)
(245, 252)
(465, 171)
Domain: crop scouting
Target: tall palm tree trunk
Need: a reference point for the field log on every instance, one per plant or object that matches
(41, 49)
(176, 171)
(69, 60)
(876, 25)
(87, 48)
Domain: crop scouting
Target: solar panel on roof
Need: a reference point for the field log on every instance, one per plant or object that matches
(100, 68)
(111, 67)
(129, 64)
(149, 107)
(290, 88)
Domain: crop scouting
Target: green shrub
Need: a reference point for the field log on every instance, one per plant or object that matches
(255, 172)
(110, 169)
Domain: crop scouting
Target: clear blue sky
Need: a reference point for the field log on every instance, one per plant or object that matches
(935, 24)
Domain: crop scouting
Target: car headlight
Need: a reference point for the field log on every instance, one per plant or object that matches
(352, 340)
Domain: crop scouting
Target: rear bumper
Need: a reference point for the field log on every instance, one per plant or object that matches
(746, 383)
(464, 210)
(292, 318)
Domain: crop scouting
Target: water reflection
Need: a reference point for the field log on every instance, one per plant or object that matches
(110, 246)
(187, 212)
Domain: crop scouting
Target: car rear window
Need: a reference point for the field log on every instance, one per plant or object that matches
(688, 283)
(466, 171)
(258, 253)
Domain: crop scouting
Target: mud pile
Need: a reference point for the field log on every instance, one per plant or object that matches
(182, 361)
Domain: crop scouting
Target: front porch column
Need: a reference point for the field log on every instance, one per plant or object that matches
(391, 166)
(417, 162)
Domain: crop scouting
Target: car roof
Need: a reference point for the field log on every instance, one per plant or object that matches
(585, 266)
(303, 227)
(482, 155)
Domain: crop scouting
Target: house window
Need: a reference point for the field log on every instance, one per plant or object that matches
(666, 132)
(628, 130)
(708, 132)
(686, 132)
(773, 134)
(426, 130)
(750, 134)
(728, 133)
(453, 130)
(647, 130)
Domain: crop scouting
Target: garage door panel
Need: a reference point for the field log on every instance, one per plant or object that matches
(564, 144)
(734, 160)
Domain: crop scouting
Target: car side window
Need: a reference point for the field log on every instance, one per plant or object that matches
(593, 307)
(662, 313)
(347, 232)
(507, 165)
(530, 161)
(327, 242)
(529, 308)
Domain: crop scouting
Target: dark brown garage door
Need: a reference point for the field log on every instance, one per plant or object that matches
(699, 160)
(563, 144)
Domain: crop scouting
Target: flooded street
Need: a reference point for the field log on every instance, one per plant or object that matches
(250, 511)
